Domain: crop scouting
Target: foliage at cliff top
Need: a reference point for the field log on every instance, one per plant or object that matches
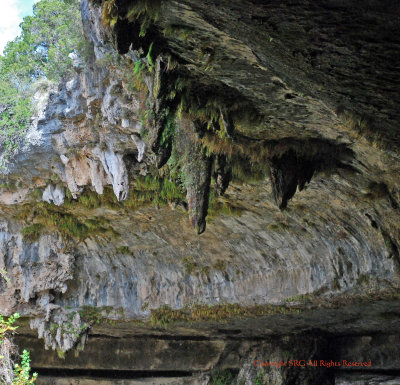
(41, 51)
(46, 40)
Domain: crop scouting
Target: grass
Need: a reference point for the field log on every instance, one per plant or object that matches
(98, 225)
(32, 233)
(69, 221)
(154, 190)
(72, 219)
(145, 190)
(164, 315)
(302, 298)
(91, 200)
(354, 122)
(50, 217)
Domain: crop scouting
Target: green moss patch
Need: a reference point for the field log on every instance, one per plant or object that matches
(154, 190)
(124, 250)
(202, 313)
(221, 206)
(32, 233)
(52, 218)
(94, 315)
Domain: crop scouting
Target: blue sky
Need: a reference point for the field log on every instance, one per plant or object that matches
(11, 15)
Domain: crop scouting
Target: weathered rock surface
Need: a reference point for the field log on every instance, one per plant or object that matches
(322, 83)
(368, 379)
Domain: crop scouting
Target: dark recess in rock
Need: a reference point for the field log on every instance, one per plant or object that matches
(222, 174)
(286, 174)
(295, 168)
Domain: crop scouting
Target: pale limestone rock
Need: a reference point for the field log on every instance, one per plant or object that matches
(32, 268)
(97, 175)
(61, 329)
(125, 123)
(141, 146)
(64, 159)
(111, 106)
(105, 168)
(70, 179)
(116, 171)
(55, 194)
(14, 197)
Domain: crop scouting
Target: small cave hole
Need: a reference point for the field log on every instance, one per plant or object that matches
(32, 300)
(372, 221)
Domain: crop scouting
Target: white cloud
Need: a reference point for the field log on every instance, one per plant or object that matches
(9, 22)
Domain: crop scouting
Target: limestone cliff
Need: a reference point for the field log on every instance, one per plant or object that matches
(271, 129)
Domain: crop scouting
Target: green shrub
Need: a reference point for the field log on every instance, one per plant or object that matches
(224, 377)
(20, 374)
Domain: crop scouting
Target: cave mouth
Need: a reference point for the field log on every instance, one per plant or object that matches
(133, 33)
(127, 34)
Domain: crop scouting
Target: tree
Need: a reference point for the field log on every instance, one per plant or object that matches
(46, 40)
(41, 51)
